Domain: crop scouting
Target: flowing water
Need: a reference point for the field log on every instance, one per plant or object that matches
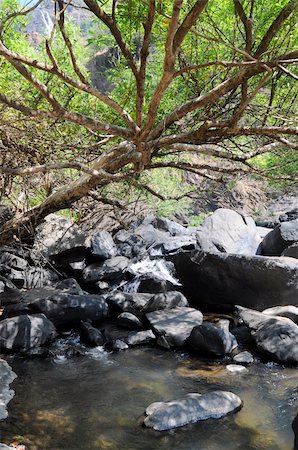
(97, 401)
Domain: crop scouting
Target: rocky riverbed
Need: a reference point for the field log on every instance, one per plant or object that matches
(225, 294)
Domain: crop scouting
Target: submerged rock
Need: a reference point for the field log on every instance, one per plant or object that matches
(210, 339)
(175, 324)
(190, 409)
(6, 377)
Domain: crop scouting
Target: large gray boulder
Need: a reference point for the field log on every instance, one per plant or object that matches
(6, 394)
(175, 324)
(210, 339)
(222, 281)
(227, 231)
(190, 409)
(24, 332)
(276, 337)
(284, 235)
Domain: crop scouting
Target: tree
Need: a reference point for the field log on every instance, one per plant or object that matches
(193, 77)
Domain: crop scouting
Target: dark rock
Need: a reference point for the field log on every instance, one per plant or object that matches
(131, 302)
(289, 215)
(129, 244)
(172, 245)
(32, 277)
(244, 358)
(103, 246)
(24, 332)
(190, 409)
(291, 251)
(223, 281)
(166, 300)
(210, 339)
(280, 238)
(150, 235)
(289, 311)
(175, 324)
(6, 394)
(163, 342)
(276, 337)
(65, 308)
(9, 293)
(110, 269)
(90, 335)
(140, 337)
(18, 309)
(154, 285)
(71, 286)
(129, 320)
(227, 231)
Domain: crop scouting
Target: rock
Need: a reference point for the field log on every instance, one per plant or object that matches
(32, 277)
(129, 320)
(289, 215)
(210, 339)
(170, 226)
(222, 281)
(129, 244)
(291, 251)
(243, 357)
(289, 311)
(24, 332)
(130, 302)
(64, 309)
(13, 261)
(71, 286)
(140, 337)
(6, 377)
(90, 335)
(150, 235)
(167, 300)
(227, 231)
(275, 336)
(110, 269)
(175, 324)
(280, 238)
(18, 309)
(236, 368)
(190, 409)
(118, 344)
(9, 293)
(103, 246)
(154, 285)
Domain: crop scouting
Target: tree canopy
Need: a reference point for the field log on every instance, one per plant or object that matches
(202, 86)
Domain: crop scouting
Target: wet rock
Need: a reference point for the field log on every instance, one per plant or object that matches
(24, 332)
(280, 238)
(118, 344)
(6, 377)
(140, 338)
(175, 324)
(167, 300)
(291, 251)
(103, 246)
(129, 320)
(211, 339)
(110, 269)
(9, 293)
(229, 232)
(155, 276)
(90, 335)
(236, 368)
(243, 358)
(127, 302)
(276, 337)
(223, 281)
(190, 409)
(289, 311)
(71, 286)
(63, 308)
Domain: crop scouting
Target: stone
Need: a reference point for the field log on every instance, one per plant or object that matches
(289, 215)
(32, 277)
(103, 246)
(13, 261)
(192, 408)
(171, 226)
(280, 238)
(118, 344)
(90, 335)
(210, 339)
(15, 310)
(291, 251)
(289, 311)
(222, 280)
(243, 358)
(227, 231)
(236, 368)
(166, 300)
(140, 337)
(24, 332)
(64, 309)
(129, 244)
(110, 269)
(154, 285)
(175, 324)
(9, 293)
(130, 302)
(6, 394)
(129, 320)
(276, 337)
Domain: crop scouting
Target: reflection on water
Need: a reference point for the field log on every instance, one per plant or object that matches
(97, 402)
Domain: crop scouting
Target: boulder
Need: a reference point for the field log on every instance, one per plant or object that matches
(155, 276)
(24, 332)
(130, 302)
(210, 339)
(103, 246)
(175, 324)
(71, 286)
(32, 277)
(291, 251)
(167, 300)
(222, 281)
(154, 285)
(276, 337)
(227, 231)
(243, 358)
(280, 238)
(110, 269)
(289, 311)
(171, 226)
(140, 337)
(13, 261)
(90, 335)
(6, 394)
(129, 320)
(9, 293)
(190, 409)
(129, 244)
(63, 308)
